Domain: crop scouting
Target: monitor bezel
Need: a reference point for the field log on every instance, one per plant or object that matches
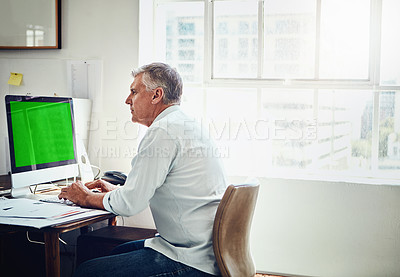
(45, 99)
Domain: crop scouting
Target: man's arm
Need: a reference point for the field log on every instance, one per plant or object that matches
(150, 167)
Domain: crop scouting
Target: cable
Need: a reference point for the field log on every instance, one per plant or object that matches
(122, 220)
(33, 241)
(41, 242)
(68, 255)
(98, 172)
(62, 241)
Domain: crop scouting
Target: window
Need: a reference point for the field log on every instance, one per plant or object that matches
(345, 41)
(289, 39)
(181, 37)
(390, 56)
(237, 17)
(300, 86)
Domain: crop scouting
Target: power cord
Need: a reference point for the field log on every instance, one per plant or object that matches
(122, 220)
(33, 241)
(41, 242)
(98, 171)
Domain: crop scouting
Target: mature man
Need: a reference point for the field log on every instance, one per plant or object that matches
(176, 171)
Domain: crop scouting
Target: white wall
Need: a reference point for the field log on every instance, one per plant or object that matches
(91, 30)
(100, 30)
(300, 227)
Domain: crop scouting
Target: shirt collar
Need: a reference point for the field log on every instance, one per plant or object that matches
(166, 112)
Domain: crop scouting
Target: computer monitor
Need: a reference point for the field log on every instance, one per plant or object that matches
(41, 140)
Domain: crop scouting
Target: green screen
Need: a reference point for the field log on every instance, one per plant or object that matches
(42, 132)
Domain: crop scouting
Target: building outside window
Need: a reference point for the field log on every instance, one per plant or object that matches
(290, 87)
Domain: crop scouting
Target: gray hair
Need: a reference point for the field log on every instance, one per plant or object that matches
(162, 75)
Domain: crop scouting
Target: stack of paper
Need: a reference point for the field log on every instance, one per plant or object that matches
(28, 208)
(34, 213)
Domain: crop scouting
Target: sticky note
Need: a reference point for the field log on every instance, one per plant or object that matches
(15, 79)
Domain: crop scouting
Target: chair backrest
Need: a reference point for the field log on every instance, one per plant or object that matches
(232, 230)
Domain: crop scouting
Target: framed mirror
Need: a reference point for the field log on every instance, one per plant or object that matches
(33, 24)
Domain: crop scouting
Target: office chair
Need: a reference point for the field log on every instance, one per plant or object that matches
(232, 229)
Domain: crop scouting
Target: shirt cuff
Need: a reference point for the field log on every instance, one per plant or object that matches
(106, 203)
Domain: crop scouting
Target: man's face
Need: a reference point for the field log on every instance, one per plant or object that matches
(140, 102)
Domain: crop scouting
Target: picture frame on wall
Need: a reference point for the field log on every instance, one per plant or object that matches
(33, 24)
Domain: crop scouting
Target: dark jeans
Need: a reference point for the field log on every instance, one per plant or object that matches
(133, 259)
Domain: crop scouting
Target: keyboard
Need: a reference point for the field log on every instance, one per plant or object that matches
(55, 199)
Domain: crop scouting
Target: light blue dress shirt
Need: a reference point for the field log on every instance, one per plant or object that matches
(178, 172)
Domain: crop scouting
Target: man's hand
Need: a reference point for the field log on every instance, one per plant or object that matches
(101, 185)
(82, 196)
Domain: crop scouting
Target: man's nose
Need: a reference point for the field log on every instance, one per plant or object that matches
(128, 100)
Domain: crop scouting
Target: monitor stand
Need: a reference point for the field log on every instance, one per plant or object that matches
(85, 169)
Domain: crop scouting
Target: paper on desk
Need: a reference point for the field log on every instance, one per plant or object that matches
(45, 222)
(28, 208)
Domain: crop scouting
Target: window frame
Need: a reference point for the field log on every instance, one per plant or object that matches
(372, 83)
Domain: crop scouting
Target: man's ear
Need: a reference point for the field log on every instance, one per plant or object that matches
(158, 94)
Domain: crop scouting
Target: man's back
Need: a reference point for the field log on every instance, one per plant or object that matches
(184, 206)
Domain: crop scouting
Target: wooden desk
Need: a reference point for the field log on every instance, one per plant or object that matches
(51, 238)
(52, 234)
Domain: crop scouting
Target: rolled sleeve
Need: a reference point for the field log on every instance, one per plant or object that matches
(106, 202)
